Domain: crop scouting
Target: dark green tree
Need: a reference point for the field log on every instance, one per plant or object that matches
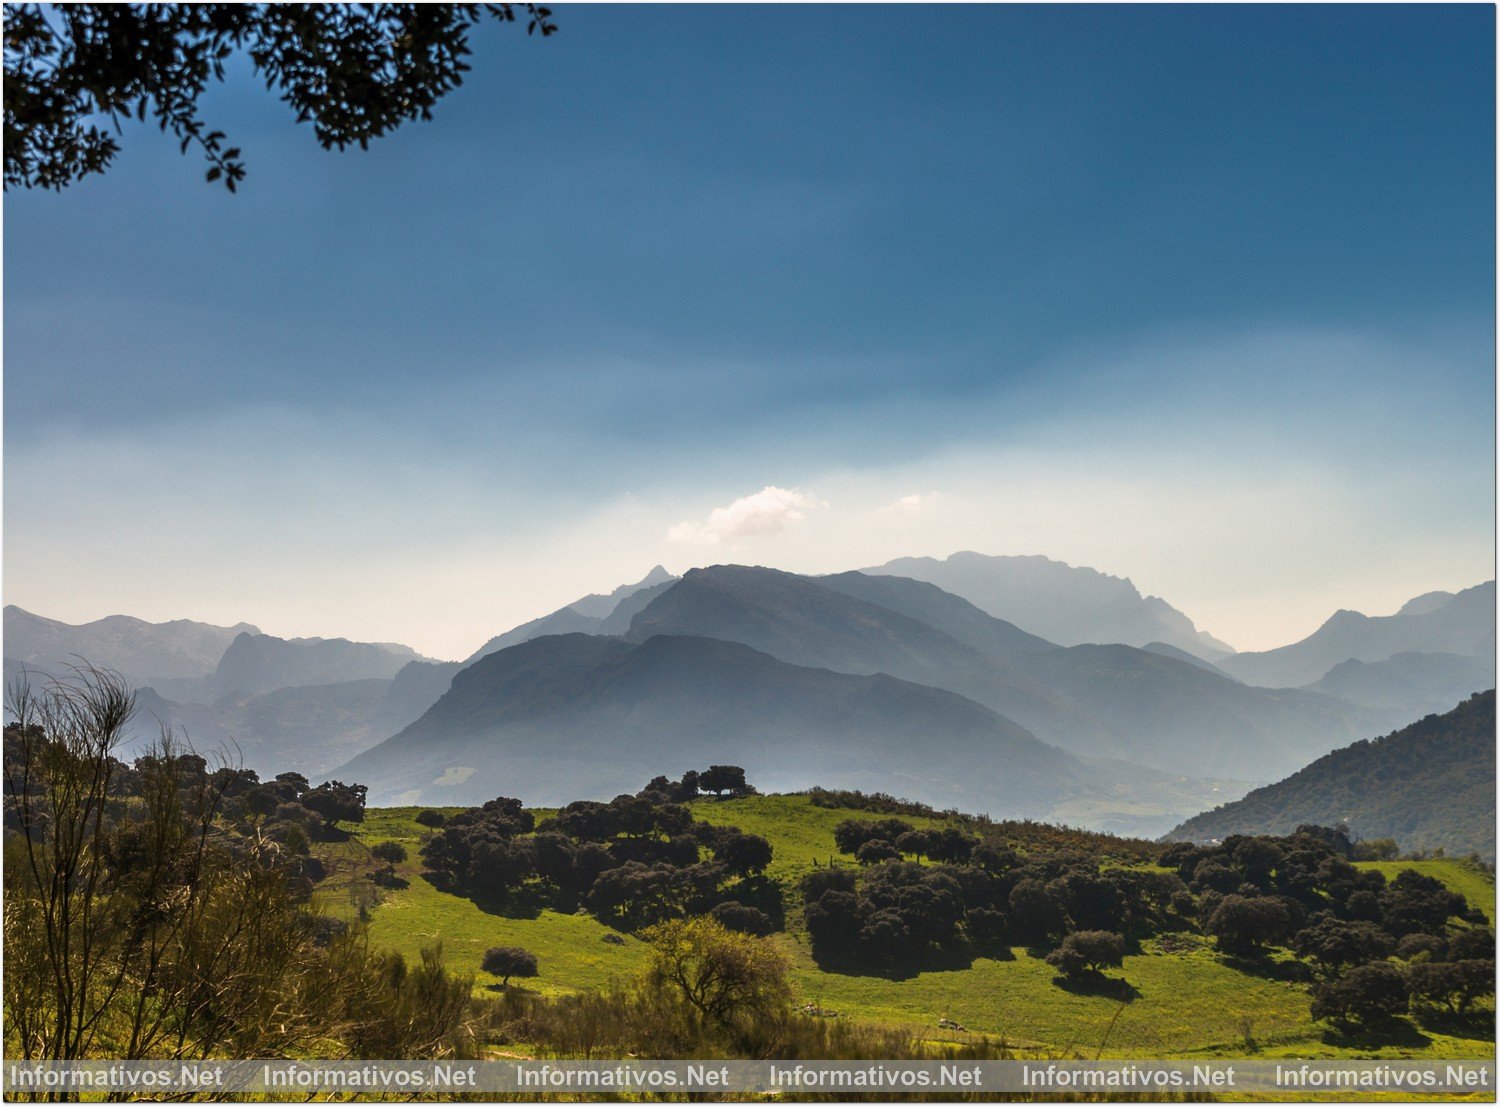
(75, 72)
(508, 961)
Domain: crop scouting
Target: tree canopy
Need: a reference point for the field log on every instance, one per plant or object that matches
(74, 73)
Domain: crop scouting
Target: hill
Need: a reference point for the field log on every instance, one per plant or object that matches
(1462, 624)
(139, 651)
(1190, 1002)
(572, 716)
(1429, 785)
(1067, 604)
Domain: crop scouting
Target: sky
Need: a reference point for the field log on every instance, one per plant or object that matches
(1201, 296)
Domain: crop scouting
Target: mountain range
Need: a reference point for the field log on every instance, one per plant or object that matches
(1461, 624)
(1067, 604)
(857, 679)
(1428, 785)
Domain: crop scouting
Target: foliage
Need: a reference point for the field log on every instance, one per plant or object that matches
(508, 961)
(336, 802)
(354, 71)
(1087, 951)
(725, 976)
(1364, 995)
(149, 915)
(632, 862)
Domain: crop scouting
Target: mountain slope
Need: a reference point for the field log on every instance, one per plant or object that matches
(1463, 624)
(576, 715)
(803, 622)
(137, 650)
(583, 616)
(1171, 714)
(943, 611)
(1430, 784)
(1115, 701)
(1410, 685)
(1062, 603)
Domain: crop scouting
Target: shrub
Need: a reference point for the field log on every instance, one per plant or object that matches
(431, 818)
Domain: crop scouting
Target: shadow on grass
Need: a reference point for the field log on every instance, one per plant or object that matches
(1290, 972)
(935, 960)
(1388, 1032)
(1475, 1025)
(1097, 984)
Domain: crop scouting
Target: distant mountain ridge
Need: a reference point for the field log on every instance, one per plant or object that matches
(1427, 785)
(1066, 604)
(136, 649)
(585, 616)
(307, 728)
(1106, 701)
(259, 663)
(1462, 624)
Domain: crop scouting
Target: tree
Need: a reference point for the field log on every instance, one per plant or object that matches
(392, 853)
(720, 974)
(719, 779)
(742, 918)
(744, 854)
(1335, 944)
(1244, 926)
(1035, 915)
(1087, 951)
(1365, 994)
(874, 852)
(336, 802)
(355, 71)
(430, 818)
(508, 961)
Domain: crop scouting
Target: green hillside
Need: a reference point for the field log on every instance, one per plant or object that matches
(1189, 1001)
(1430, 785)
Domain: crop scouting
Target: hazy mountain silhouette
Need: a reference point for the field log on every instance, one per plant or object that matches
(137, 650)
(257, 663)
(1117, 701)
(1430, 784)
(1462, 624)
(559, 718)
(1408, 685)
(1172, 714)
(310, 729)
(1062, 603)
(803, 622)
(583, 616)
(927, 603)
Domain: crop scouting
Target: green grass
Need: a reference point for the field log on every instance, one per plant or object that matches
(571, 951)
(1188, 1002)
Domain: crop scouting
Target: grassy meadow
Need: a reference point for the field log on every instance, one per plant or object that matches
(1184, 1000)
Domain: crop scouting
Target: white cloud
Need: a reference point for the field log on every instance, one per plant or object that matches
(769, 511)
(914, 503)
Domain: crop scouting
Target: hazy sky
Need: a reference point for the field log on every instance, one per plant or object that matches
(1199, 296)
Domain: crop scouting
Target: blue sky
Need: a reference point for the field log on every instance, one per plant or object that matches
(1202, 296)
